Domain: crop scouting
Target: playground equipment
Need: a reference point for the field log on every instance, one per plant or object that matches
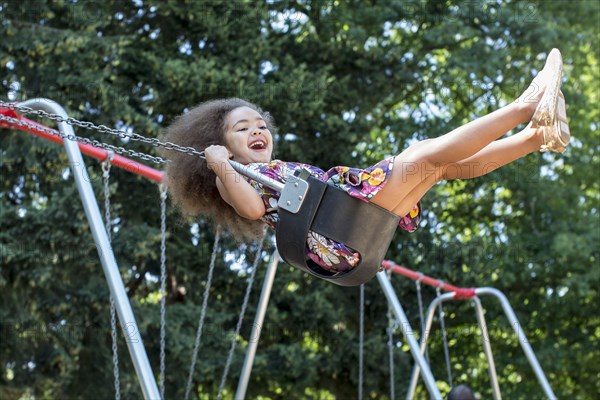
(101, 233)
(473, 294)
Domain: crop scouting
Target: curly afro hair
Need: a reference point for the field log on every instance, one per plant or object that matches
(191, 183)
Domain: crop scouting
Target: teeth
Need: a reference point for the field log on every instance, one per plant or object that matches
(257, 145)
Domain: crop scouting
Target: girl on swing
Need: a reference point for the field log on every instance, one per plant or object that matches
(239, 130)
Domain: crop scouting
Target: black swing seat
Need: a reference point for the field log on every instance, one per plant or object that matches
(331, 212)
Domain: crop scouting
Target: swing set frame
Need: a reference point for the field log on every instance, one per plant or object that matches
(74, 149)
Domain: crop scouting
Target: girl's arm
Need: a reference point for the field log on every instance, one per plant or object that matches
(233, 188)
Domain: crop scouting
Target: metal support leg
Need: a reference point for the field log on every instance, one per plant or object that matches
(107, 258)
(408, 334)
(485, 339)
(487, 348)
(535, 365)
(514, 322)
(412, 387)
(257, 326)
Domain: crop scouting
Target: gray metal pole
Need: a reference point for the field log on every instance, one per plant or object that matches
(412, 386)
(408, 334)
(510, 314)
(107, 258)
(257, 326)
(487, 348)
(486, 344)
(257, 176)
(512, 318)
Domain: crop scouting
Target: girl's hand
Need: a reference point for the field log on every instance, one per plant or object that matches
(233, 189)
(216, 155)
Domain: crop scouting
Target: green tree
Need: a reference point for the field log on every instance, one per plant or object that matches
(348, 83)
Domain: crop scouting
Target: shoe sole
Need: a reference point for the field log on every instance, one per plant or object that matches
(551, 113)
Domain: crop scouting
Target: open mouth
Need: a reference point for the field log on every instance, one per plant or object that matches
(258, 145)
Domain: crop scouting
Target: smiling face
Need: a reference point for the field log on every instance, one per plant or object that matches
(247, 136)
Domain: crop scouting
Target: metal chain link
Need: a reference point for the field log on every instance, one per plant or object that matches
(113, 318)
(163, 281)
(361, 341)
(390, 331)
(211, 269)
(155, 142)
(241, 317)
(115, 351)
(92, 142)
(444, 335)
(106, 181)
(103, 129)
(392, 326)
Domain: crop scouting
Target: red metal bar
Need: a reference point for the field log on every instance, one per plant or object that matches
(95, 152)
(157, 176)
(459, 293)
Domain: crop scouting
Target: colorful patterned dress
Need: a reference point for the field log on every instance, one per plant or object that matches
(360, 183)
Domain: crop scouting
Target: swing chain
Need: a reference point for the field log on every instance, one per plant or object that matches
(163, 280)
(361, 340)
(92, 142)
(155, 142)
(113, 318)
(211, 269)
(392, 325)
(105, 179)
(106, 164)
(238, 326)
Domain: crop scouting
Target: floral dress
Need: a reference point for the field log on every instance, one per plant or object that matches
(360, 183)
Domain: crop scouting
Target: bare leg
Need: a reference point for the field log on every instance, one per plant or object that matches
(468, 139)
(422, 165)
(490, 158)
(424, 161)
(495, 155)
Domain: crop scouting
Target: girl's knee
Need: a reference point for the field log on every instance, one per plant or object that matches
(416, 160)
(418, 152)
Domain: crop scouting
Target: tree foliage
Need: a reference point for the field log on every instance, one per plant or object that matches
(348, 82)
